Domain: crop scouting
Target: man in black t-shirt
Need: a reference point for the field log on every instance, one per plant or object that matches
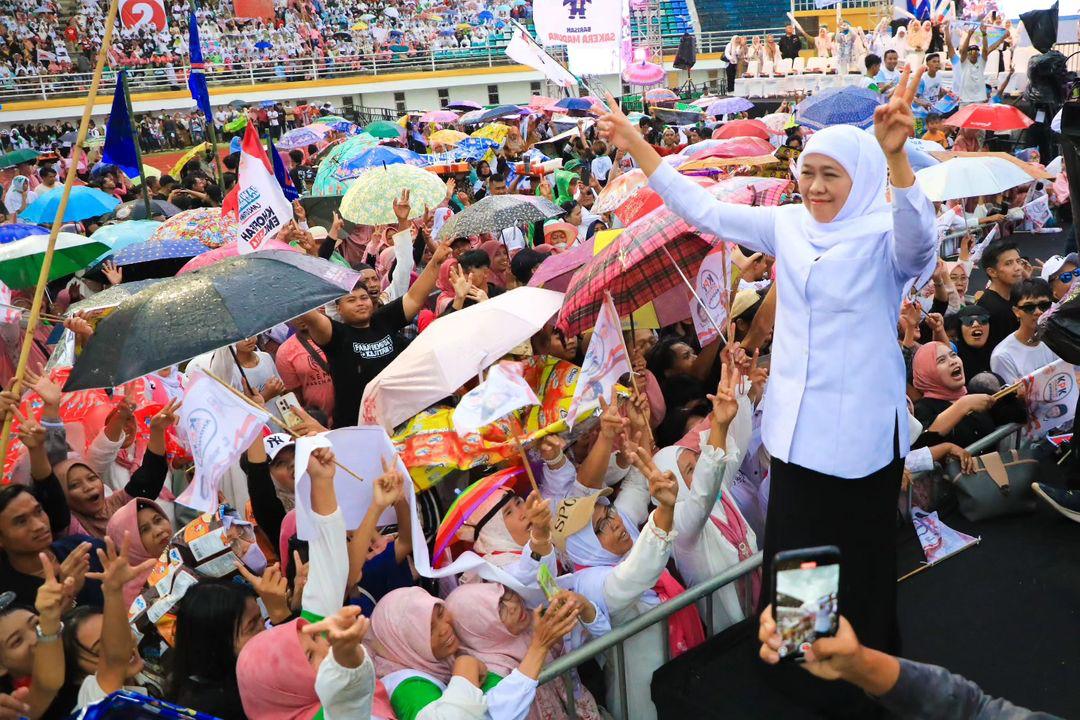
(1001, 263)
(790, 44)
(366, 341)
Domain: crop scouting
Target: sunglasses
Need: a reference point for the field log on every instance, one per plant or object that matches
(969, 320)
(1066, 277)
(1043, 305)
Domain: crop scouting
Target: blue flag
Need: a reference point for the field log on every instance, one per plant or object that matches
(119, 147)
(196, 79)
(282, 176)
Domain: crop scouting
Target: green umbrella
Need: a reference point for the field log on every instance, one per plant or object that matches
(370, 200)
(384, 129)
(325, 182)
(16, 157)
(20, 261)
(330, 119)
(236, 125)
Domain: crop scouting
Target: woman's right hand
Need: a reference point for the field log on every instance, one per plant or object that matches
(977, 402)
(470, 668)
(555, 623)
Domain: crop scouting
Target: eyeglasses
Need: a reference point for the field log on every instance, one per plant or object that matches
(1042, 305)
(969, 320)
(604, 523)
(1066, 277)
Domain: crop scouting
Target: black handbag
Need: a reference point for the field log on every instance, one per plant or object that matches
(1000, 486)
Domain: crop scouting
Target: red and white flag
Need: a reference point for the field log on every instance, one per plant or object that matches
(501, 393)
(606, 361)
(9, 314)
(262, 207)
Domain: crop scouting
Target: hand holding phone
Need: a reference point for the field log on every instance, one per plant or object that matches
(806, 594)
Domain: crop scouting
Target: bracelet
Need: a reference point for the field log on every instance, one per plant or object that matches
(557, 460)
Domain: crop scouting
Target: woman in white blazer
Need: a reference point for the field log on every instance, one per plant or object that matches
(835, 414)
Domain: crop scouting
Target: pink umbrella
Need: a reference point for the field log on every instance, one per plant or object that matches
(439, 116)
(748, 190)
(555, 272)
(539, 102)
(734, 147)
(659, 95)
(226, 251)
(643, 73)
(742, 128)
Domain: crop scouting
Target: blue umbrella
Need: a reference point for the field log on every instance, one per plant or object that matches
(157, 258)
(377, 156)
(728, 106)
(121, 235)
(569, 103)
(83, 203)
(497, 112)
(476, 148)
(485, 16)
(17, 231)
(839, 106)
(299, 138)
(263, 45)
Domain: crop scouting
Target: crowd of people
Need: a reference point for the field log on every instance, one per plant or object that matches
(842, 321)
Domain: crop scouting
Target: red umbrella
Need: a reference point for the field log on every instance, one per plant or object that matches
(990, 116)
(645, 200)
(735, 147)
(635, 269)
(742, 128)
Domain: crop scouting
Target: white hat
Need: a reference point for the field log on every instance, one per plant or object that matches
(1055, 263)
(276, 443)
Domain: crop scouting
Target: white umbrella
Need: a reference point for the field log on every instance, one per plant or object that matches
(454, 349)
(1055, 166)
(924, 145)
(964, 177)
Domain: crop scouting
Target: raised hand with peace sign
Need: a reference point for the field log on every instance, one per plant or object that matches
(894, 123)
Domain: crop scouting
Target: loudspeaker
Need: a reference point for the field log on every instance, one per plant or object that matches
(686, 57)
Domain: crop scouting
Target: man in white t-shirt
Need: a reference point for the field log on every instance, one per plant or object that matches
(1022, 353)
(888, 77)
(969, 79)
(930, 85)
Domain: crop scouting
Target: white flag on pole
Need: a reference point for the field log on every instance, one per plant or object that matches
(605, 362)
(262, 206)
(217, 427)
(523, 49)
(712, 285)
(1051, 397)
(502, 392)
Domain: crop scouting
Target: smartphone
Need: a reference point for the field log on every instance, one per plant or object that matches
(806, 594)
(284, 404)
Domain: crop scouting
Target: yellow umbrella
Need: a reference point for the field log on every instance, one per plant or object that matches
(447, 137)
(187, 157)
(464, 26)
(644, 316)
(148, 171)
(361, 25)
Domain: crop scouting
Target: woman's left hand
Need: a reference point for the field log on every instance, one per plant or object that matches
(556, 622)
(894, 121)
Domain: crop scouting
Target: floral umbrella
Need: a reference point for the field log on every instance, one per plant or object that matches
(370, 200)
(302, 137)
(326, 182)
(206, 225)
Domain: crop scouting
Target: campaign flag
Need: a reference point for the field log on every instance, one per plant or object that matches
(119, 149)
(502, 392)
(919, 9)
(1037, 213)
(135, 14)
(216, 426)
(591, 30)
(262, 207)
(713, 286)
(523, 49)
(9, 314)
(606, 361)
(977, 251)
(1051, 397)
(938, 540)
(196, 78)
(284, 180)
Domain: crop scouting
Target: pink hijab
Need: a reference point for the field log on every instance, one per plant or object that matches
(288, 529)
(491, 247)
(400, 635)
(275, 679)
(926, 378)
(444, 284)
(384, 265)
(475, 607)
(126, 519)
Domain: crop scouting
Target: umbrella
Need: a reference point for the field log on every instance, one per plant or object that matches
(634, 268)
(467, 502)
(497, 112)
(485, 16)
(557, 270)
(17, 157)
(360, 25)
(227, 251)
(618, 190)
(200, 311)
(644, 73)
(329, 120)
(655, 95)
(776, 122)
(300, 138)
(325, 182)
(391, 12)
(644, 200)
(370, 200)
(156, 258)
(742, 128)
(263, 45)
(20, 261)
(120, 235)
(722, 164)
(494, 213)
(236, 125)
(147, 171)
(238, 104)
(995, 117)
(539, 102)
(136, 210)
(749, 190)
(472, 117)
(111, 296)
(569, 103)
(17, 231)
(205, 225)
(372, 157)
(924, 145)
(436, 363)
(368, 17)
(729, 148)
(384, 130)
(439, 116)
(965, 177)
(446, 137)
(84, 202)
(463, 105)
(178, 168)
(728, 106)
(839, 106)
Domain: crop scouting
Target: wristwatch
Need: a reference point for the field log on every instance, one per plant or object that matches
(535, 555)
(51, 637)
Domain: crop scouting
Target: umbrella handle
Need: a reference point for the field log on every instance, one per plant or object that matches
(58, 221)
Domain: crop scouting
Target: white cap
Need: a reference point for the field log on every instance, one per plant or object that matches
(276, 443)
(1055, 263)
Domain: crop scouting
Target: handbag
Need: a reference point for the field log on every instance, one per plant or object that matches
(1001, 485)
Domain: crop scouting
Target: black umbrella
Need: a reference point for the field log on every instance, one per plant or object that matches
(498, 212)
(204, 310)
(136, 210)
(495, 113)
(111, 297)
(238, 104)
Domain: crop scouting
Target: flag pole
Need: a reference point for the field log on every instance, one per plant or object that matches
(138, 147)
(212, 130)
(58, 221)
(704, 307)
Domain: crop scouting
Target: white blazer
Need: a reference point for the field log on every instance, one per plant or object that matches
(835, 395)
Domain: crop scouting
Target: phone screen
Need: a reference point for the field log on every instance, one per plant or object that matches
(805, 605)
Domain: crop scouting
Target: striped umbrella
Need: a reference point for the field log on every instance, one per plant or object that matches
(458, 524)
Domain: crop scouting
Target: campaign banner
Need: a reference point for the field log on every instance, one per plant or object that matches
(1037, 213)
(578, 23)
(606, 361)
(502, 392)
(1051, 397)
(261, 205)
(137, 13)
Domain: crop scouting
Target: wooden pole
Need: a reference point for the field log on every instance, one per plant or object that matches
(58, 221)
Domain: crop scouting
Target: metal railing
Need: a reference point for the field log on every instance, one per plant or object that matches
(255, 72)
(811, 5)
(563, 666)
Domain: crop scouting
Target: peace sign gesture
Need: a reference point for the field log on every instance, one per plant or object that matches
(894, 121)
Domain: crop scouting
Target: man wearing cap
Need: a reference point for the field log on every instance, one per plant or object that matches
(1060, 272)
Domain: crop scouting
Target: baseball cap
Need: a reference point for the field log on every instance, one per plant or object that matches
(1055, 262)
(572, 515)
(276, 443)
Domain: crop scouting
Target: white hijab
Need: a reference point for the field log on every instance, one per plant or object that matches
(14, 198)
(596, 563)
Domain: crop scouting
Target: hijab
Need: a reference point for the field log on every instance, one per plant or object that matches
(976, 360)
(475, 607)
(275, 679)
(13, 199)
(926, 378)
(126, 520)
(400, 635)
(866, 213)
(445, 285)
(495, 537)
(491, 247)
(95, 524)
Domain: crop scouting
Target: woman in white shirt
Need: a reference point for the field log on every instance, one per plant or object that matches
(835, 413)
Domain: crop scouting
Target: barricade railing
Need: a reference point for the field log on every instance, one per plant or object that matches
(563, 666)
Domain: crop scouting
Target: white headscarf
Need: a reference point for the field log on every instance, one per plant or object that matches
(596, 563)
(866, 212)
(14, 198)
